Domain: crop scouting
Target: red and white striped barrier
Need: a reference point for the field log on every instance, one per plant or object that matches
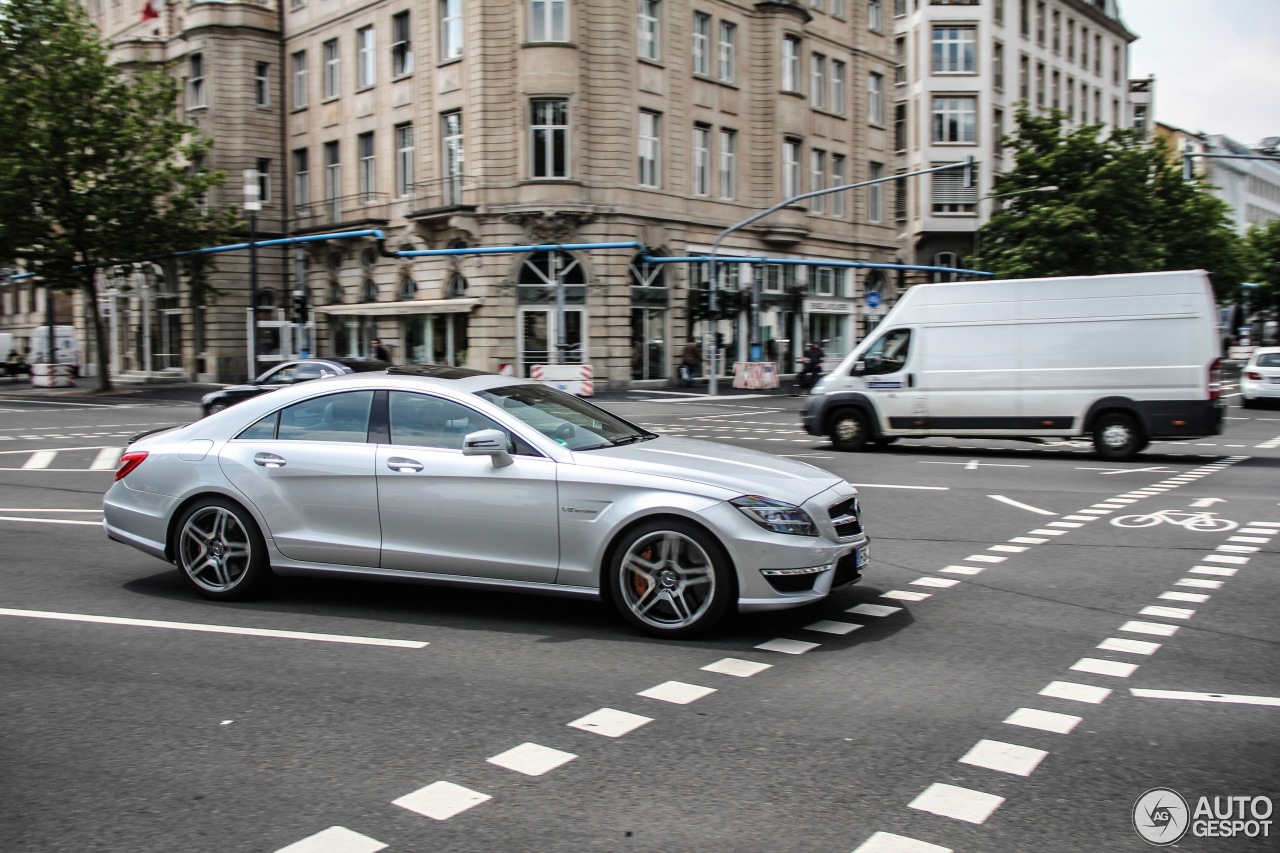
(759, 375)
(570, 378)
(53, 375)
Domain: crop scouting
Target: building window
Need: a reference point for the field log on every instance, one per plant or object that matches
(454, 156)
(195, 81)
(951, 261)
(368, 167)
(997, 130)
(1071, 41)
(728, 163)
(837, 87)
(1055, 89)
(1024, 18)
(701, 159)
(953, 50)
(838, 179)
(899, 8)
(701, 43)
(1071, 99)
(817, 179)
(900, 60)
(900, 200)
(261, 83)
(404, 159)
(1097, 54)
(549, 126)
(401, 45)
(1115, 64)
(953, 119)
(300, 79)
(301, 179)
(450, 29)
(950, 195)
(650, 45)
(1084, 47)
(549, 20)
(1040, 12)
(1040, 75)
(900, 127)
(790, 64)
(1056, 35)
(649, 145)
(873, 16)
(366, 59)
(997, 65)
(332, 172)
(790, 168)
(332, 67)
(875, 98)
(998, 11)
(818, 81)
(875, 193)
(837, 7)
(728, 59)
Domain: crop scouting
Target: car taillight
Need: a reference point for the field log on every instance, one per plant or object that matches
(129, 461)
(1215, 379)
(1254, 376)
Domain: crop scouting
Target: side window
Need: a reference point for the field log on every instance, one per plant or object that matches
(263, 430)
(426, 421)
(889, 353)
(336, 417)
(283, 376)
(310, 371)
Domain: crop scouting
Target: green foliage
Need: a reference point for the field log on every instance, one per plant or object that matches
(1262, 246)
(95, 168)
(1121, 206)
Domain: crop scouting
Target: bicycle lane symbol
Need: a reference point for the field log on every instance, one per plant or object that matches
(1200, 522)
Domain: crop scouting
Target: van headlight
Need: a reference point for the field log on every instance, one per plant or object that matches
(776, 516)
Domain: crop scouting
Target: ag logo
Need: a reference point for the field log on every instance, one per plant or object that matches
(1161, 816)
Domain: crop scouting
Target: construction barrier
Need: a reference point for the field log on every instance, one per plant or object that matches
(571, 378)
(53, 375)
(759, 375)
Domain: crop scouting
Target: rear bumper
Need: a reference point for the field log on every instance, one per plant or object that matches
(1182, 418)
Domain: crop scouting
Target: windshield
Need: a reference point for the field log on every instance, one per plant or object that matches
(566, 419)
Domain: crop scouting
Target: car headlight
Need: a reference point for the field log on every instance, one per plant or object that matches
(776, 516)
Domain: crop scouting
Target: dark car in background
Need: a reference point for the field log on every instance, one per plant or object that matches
(285, 374)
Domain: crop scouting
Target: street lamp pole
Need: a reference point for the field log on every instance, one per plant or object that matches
(252, 204)
(969, 164)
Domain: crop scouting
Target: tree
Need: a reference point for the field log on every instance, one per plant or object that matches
(1262, 246)
(95, 168)
(1121, 205)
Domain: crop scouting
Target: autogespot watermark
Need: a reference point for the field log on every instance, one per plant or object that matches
(1162, 816)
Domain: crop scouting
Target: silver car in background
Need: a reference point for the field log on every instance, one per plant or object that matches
(453, 476)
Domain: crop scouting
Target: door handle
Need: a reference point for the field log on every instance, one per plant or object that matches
(403, 465)
(911, 380)
(268, 460)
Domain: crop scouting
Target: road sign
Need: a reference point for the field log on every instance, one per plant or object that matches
(873, 299)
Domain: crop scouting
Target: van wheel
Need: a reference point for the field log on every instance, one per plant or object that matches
(848, 430)
(1117, 438)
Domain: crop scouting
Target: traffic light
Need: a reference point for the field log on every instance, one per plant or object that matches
(300, 307)
(699, 304)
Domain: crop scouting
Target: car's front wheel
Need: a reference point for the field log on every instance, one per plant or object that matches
(670, 578)
(220, 551)
(848, 430)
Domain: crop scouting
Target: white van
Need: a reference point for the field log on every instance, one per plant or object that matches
(64, 342)
(1122, 359)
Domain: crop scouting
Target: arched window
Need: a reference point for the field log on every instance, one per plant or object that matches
(335, 293)
(945, 259)
(369, 291)
(538, 275)
(457, 287)
(408, 289)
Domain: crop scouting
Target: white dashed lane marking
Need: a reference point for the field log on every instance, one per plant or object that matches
(1156, 629)
(829, 626)
(787, 647)
(677, 692)
(610, 723)
(1046, 721)
(441, 800)
(532, 759)
(1137, 647)
(737, 668)
(1004, 757)
(1097, 666)
(1076, 692)
(335, 839)
(958, 803)
(887, 842)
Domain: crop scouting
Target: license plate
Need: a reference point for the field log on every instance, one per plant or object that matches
(861, 556)
(1274, 380)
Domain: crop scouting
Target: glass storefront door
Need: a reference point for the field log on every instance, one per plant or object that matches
(540, 332)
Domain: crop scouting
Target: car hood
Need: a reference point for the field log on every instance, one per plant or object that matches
(745, 472)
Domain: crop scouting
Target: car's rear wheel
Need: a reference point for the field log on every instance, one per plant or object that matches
(1116, 437)
(848, 430)
(220, 551)
(670, 578)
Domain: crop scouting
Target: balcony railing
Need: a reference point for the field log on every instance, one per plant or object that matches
(361, 207)
(444, 193)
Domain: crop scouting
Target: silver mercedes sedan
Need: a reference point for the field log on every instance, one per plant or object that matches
(452, 476)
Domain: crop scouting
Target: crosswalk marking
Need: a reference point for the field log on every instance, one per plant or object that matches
(106, 459)
(40, 459)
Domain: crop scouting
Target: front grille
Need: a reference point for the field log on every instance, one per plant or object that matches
(844, 516)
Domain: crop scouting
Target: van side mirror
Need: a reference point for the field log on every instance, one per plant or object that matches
(859, 368)
(488, 442)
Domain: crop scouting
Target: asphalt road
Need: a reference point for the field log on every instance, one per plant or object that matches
(999, 682)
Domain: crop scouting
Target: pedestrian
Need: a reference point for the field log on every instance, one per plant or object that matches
(690, 362)
(378, 351)
(812, 368)
(14, 365)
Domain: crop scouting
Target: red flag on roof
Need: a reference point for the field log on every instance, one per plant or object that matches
(149, 11)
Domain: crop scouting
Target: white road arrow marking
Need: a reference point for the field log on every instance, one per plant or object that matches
(1208, 501)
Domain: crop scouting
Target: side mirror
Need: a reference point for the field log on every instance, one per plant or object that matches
(488, 442)
(859, 368)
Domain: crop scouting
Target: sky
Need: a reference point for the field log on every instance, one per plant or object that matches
(1216, 63)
